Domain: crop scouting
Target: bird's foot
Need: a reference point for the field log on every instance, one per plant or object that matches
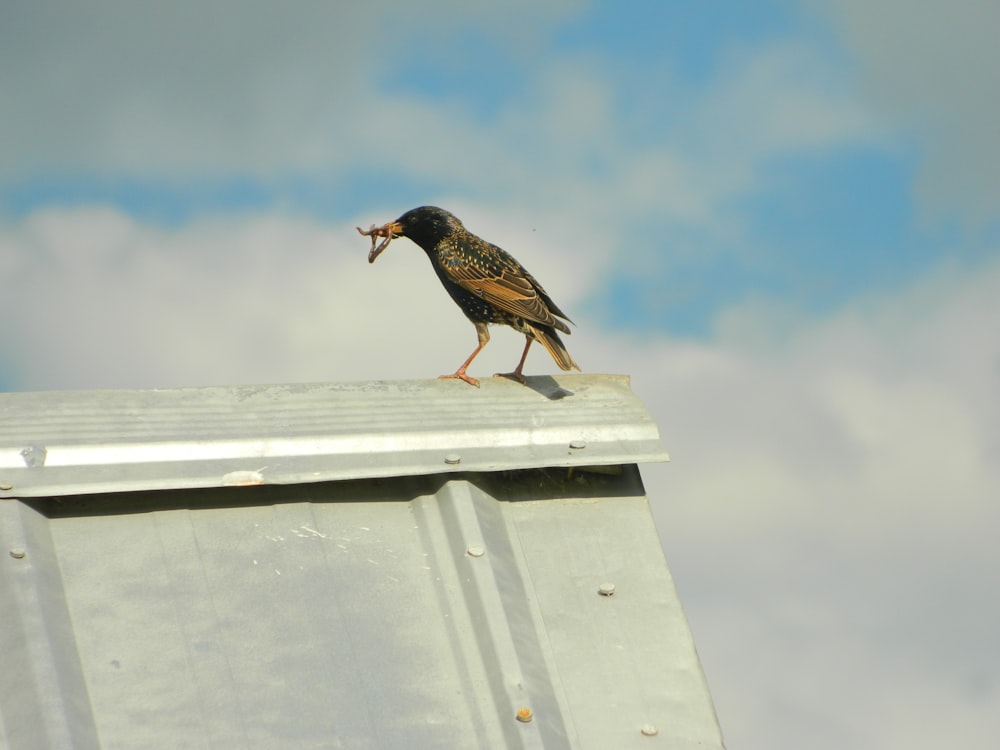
(512, 376)
(460, 375)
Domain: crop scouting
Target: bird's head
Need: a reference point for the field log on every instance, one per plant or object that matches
(426, 226)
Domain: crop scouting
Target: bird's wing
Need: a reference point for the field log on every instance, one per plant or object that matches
(511, 289)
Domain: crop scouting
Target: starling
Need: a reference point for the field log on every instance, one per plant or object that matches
(487, 283)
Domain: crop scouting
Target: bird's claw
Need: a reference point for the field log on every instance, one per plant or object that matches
(460, 375)
(512, 376)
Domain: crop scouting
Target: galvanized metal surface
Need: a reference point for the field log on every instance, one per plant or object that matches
(421, 610)
(55, 443)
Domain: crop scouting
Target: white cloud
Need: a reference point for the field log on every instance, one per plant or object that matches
(831, 513)
(101, 300)
(203, 88)
(931, 68)
(830, 509)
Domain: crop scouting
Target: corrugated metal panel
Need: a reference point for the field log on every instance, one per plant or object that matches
(417, 610)
(105, 441)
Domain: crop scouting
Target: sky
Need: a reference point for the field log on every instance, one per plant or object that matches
(782, 219)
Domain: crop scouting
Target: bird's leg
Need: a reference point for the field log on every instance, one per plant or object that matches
(516, 375)
(484, 336)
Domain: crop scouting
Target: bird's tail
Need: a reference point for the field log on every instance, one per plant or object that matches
(548, 338)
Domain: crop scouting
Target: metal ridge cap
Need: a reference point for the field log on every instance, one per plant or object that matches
(65, 442)
(287, 411)
(63, 481)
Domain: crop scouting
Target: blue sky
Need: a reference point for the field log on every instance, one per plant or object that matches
(811, 223)
(781, 218)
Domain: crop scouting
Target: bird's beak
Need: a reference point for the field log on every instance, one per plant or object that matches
(389, 232)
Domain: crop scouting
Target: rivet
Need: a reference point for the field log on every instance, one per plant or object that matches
(649, 730)
(578, 444)
(524, 714)
(17, 553)
(453, 458)
(475, 551)
(6, 486)
(606, 589)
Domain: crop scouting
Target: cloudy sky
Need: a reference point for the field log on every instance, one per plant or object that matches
(781, 218)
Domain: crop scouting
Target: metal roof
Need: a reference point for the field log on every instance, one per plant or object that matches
(106, 441)
(389, 564)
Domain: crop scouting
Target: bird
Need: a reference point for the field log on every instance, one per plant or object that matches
(486, 282)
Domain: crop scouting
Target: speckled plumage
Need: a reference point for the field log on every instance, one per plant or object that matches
(489, 285)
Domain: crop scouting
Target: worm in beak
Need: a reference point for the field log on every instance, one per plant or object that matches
(388, 232)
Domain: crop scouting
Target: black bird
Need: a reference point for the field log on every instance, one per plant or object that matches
(486, 282)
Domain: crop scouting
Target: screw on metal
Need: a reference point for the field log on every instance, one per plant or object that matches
(606, 589)
(649, 730)
(525, 714)
(453, 458)
(6, 486)
(475, 551)
(17, 553)
(578, 444)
